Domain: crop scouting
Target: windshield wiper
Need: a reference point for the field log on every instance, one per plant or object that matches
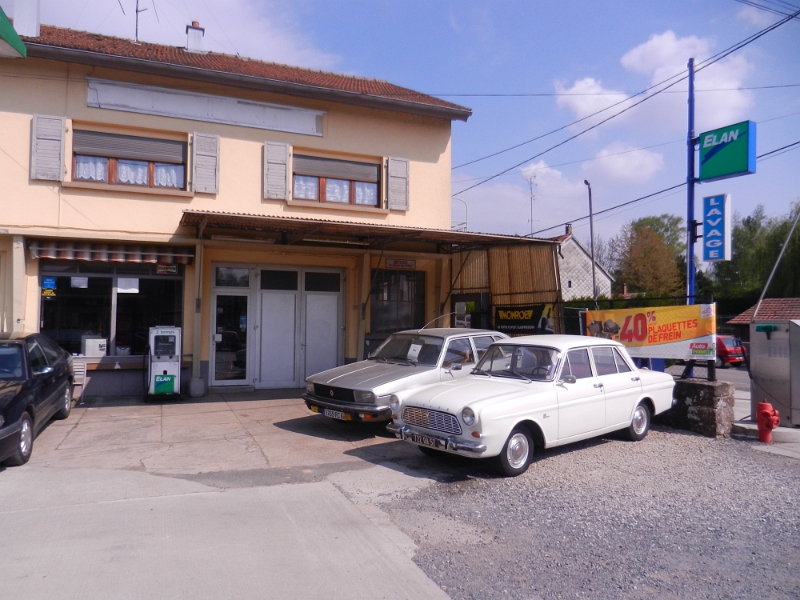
(525, 377)
(405, 361)
(477, 371)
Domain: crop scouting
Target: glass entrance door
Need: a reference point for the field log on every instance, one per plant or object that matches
(230, 339)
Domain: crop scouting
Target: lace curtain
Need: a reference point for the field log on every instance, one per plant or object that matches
(167, 175)
(91, 168)
(132, 172)
(337, 190)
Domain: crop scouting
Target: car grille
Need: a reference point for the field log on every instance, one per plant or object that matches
(334, 393)
(431, 419)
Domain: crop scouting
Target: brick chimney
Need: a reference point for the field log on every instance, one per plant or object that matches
(569, 229)
(194, 37)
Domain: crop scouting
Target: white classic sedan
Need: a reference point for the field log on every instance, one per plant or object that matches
(408, 359)
(534, 391)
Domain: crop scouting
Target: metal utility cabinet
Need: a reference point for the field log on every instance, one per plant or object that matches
(775, 368)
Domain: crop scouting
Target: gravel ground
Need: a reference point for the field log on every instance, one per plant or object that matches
(673, 516)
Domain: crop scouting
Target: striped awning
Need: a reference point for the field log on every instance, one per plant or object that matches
(163, 255)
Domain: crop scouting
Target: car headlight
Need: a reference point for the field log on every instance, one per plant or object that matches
(309, 387)
(394, 403)
(468, 416)
(365, 397)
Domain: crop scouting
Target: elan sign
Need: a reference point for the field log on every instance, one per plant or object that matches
(717, 228)
(728, 152)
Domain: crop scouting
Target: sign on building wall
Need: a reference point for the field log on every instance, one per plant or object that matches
(717, 228)
(728, 152)
(680, 332)
(528, 320)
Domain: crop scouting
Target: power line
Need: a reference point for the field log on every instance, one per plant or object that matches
(706, 63)
(558, 94)
(635, 200)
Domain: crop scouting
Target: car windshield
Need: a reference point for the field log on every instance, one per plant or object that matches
(410, 349)
(534, 363)
(11, 362)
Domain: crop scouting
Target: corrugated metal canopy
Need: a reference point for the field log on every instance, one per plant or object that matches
(293, 230)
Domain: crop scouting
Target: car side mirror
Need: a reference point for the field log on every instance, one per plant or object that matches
(568, 379)
(456, 367)
(48, 370)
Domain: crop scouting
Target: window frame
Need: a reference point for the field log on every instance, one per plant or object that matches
(322, 184)
(112, 171)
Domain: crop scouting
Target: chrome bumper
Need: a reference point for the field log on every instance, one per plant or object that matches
(351, 408)
(450, 443)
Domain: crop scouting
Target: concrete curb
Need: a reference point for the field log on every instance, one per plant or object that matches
(780, 435)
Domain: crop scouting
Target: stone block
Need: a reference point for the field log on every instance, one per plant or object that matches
(704, 407)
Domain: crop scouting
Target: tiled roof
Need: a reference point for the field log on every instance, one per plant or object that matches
(69, 39)
(772, 309)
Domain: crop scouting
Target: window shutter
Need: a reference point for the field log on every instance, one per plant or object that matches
(47, 148)
(398, 184)
(205, 163)
(276, 171)
(94, 143)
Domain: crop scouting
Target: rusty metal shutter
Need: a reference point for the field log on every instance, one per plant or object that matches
(111, 145)
(47, 148)
(205, 163)
(336, 169)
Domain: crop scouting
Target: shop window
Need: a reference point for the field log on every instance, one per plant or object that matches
(337, 181)
(397, 301)
(89, 300)
(128, 160)
(75, 309)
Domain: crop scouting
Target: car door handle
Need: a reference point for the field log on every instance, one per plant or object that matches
(634, 379)
(598, 385)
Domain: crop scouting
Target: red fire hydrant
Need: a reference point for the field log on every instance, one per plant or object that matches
(767, 419)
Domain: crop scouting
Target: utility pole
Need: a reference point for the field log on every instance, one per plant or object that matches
(591, 244)
(691, 225)
(531, 183)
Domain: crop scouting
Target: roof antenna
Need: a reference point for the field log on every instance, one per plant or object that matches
(122, 8)
(137, 19)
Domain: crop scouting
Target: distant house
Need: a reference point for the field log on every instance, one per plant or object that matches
(772, 310)
(575, 267)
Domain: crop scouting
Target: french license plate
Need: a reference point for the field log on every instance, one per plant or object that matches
(425, 440)
(336, 414)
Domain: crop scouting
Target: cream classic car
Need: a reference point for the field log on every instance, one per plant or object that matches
(360, 391)
(534, 391)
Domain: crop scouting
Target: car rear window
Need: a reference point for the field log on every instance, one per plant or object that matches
(11, 368)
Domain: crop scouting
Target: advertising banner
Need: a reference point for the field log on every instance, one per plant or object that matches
(525, 320)
(680, 332)
(728, 151)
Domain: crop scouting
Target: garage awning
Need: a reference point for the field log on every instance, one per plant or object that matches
(293, 230)
(69, 250)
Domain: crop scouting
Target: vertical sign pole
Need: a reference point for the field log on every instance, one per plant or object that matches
(690, 181)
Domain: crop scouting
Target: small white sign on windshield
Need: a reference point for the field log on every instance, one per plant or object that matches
(413, 351)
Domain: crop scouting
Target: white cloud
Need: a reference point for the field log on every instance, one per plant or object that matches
(251, 28)
(659, 58)
(588, 96)
(621, 162)
(756, 17)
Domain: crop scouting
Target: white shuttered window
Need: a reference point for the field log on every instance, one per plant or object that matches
(47, 148)
(397, 187)
(205, 163)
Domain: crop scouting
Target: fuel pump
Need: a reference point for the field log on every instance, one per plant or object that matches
(163, 362)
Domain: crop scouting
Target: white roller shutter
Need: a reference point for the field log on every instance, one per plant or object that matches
(47, 148)
(205, 163)
(397, 187)
(276, 171)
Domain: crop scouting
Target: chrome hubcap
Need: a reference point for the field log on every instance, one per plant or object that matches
(518, 450)
(67, 400)
(639, 420)
(25, 438)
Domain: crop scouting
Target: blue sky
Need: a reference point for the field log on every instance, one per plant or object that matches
(592, 53)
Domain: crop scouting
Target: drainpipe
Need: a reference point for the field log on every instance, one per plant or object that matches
(197, 385)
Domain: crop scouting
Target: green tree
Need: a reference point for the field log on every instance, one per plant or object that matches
(669, 227)
(757, 241)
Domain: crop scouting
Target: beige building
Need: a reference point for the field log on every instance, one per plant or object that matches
(286, 219)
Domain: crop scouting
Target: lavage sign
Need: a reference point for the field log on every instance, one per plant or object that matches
(717, 228)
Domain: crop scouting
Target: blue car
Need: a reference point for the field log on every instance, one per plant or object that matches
(35, 386)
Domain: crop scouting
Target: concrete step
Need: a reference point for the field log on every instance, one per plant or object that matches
(780, 435)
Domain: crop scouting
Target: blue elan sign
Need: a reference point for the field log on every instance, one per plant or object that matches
(717, 228)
